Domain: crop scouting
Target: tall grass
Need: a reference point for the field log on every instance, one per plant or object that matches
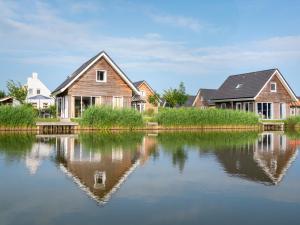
(200, 117)
(106, 117)
(20, 116)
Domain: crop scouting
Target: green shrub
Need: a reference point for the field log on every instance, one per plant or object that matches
(199, 117)
(106, 117)
(19, 116)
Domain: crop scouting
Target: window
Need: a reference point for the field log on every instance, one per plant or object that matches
(223, 106)
(99, 179)
(38, 91)
(247, 106)
(101, 76)
(273, 87)
(239, 106)
(265, 110)
(117, 102)
(30, 91)
(239, 86)
(143, 93)
(45, 105)
(34, 105)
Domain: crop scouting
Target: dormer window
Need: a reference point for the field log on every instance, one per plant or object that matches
(239, 86)
(273, 87)
(101, 76)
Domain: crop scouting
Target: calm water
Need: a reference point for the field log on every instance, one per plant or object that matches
(136, 178)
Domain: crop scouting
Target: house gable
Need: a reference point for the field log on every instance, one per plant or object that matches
(283, 93)
(86, 84)
(144, 86)
(86, 66)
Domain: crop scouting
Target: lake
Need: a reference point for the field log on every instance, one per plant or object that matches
(150, 178)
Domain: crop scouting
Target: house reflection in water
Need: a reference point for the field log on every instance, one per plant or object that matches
(40, 151)
(101, 173)
(266, 160)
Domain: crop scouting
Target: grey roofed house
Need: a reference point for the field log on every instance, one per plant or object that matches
(245, 85)
(265, 93)
(190, 101)
(206, 96)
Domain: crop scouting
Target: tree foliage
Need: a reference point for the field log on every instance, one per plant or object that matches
(176, 96)
(17, 90)
(154, 99)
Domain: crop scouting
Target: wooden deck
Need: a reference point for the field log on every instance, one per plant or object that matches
(273, 126)
(56, 127)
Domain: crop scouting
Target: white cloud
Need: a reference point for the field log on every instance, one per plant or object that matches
(178, 21)
(42, 35)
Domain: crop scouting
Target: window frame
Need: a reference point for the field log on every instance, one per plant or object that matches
(273, 83)
(104, 78)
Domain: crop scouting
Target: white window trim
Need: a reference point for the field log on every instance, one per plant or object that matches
(105, 76)
(143, 93)
(274, 91)
(244, 106)
(239, 104)
(122, 101)
(272, 109)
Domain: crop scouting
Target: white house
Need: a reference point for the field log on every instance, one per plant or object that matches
(38, 93)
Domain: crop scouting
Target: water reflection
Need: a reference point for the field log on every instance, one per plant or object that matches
(99, 169)
(99, 163)
(265, 160)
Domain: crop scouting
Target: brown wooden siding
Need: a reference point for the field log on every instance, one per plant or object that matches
(86, 85)
(281, 96)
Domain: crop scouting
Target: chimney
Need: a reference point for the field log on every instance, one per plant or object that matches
(34, 75)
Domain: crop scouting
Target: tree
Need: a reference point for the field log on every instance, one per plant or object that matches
(2, 94)
(170, 97)
(176, 96)
(181, 96)
(17, 90)
(154, 99)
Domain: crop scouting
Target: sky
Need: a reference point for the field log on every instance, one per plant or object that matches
(162, 41)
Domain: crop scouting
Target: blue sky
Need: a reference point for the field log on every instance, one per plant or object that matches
(164, 42)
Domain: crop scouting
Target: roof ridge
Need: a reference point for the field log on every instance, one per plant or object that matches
(248, 73)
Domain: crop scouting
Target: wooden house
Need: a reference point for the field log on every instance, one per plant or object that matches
(99, 81)
(266, 93)
(141, 102)
(204, 98)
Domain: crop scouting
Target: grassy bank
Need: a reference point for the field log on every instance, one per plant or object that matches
(17, 117)
(207, 117)
(106, 118)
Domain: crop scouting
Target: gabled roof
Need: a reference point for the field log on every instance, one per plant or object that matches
(245, 85)
(137, 84)
(207, 95)
(6, 98)
(190, 101)
(249, 85)
(39, 97)
(85, 66)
